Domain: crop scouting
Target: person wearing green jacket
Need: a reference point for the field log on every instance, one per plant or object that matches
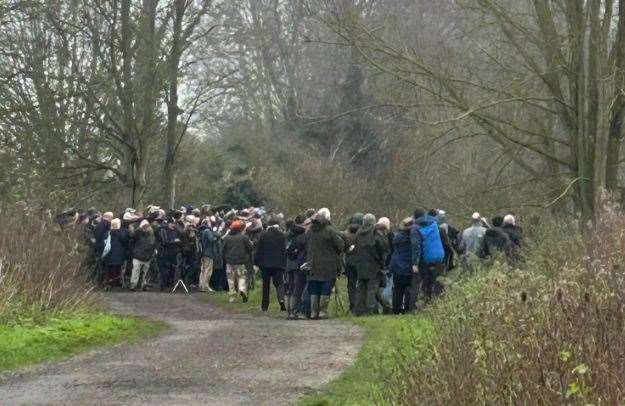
(370, 251)
(324, 250)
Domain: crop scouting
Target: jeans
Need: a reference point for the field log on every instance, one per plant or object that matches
(405, 290)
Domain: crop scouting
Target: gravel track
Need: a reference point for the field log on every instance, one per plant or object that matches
(210, 356)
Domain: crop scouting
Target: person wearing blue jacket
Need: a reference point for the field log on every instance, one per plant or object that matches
(428, 253)
(209, 252)
(405, 282)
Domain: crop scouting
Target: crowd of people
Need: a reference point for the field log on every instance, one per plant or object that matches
(389, 269)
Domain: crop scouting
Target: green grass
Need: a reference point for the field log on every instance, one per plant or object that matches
(363, 383)
(67, 334)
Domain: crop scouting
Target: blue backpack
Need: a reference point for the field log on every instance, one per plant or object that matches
(433, 250)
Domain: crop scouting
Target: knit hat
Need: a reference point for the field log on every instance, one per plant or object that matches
(406, 224)
(130, 210)
(237, 225)
(384, 222)
(128, 216)
(509, 220)
(368, 219)
(324, 213)
(116, 224)
(356, 219)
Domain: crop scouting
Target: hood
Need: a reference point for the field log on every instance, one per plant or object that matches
(441, 217)
(425, 221)
(319, 224)
(365, 229)
(495, 232)
(297, 229)
(356, 219)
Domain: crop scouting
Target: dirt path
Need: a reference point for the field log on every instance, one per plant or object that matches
(209, 357)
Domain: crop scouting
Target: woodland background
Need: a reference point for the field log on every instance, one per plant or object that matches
(378, 105)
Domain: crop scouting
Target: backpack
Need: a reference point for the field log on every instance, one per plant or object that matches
(433, 250)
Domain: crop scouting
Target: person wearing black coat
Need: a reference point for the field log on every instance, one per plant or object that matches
(168, 241)
(295, 280)
(116, 256)
(270, 257)
(496, 241)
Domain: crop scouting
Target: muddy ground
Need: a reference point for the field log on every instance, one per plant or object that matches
(209, 356)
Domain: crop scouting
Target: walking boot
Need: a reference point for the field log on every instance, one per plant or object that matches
(314, 307)
(323, 306)
(294, 307)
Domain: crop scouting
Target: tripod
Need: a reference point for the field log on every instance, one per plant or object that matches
(180, 283)
(180, 274)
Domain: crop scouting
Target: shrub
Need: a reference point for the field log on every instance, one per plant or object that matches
(550, 332)
(40, 271)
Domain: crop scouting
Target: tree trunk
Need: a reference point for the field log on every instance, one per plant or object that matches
(169, 185)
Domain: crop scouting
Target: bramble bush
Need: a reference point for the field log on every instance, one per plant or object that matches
(549, 331)
(40, 267)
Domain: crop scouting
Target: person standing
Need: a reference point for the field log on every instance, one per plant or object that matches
(471, 240)
(209, 252)
(143, 248)
(115, 258)
(295, 258)
(324, 249)
(428, 254)
(270, 257)
(405, 282)
(168, 247)
(351, 272)
(496, 241)
(370, 249)
(237, 249)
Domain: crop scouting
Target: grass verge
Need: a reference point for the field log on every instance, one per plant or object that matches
(365, 382)
(68, 334)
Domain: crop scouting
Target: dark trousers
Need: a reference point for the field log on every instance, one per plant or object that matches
(295, 284)
(320, 288)
(366, 301)
(352, 277)
(189, 269)
(405, 290)
(166, 271)
(219, 280)
(112, 275)
(428, 274)
(276, 276)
